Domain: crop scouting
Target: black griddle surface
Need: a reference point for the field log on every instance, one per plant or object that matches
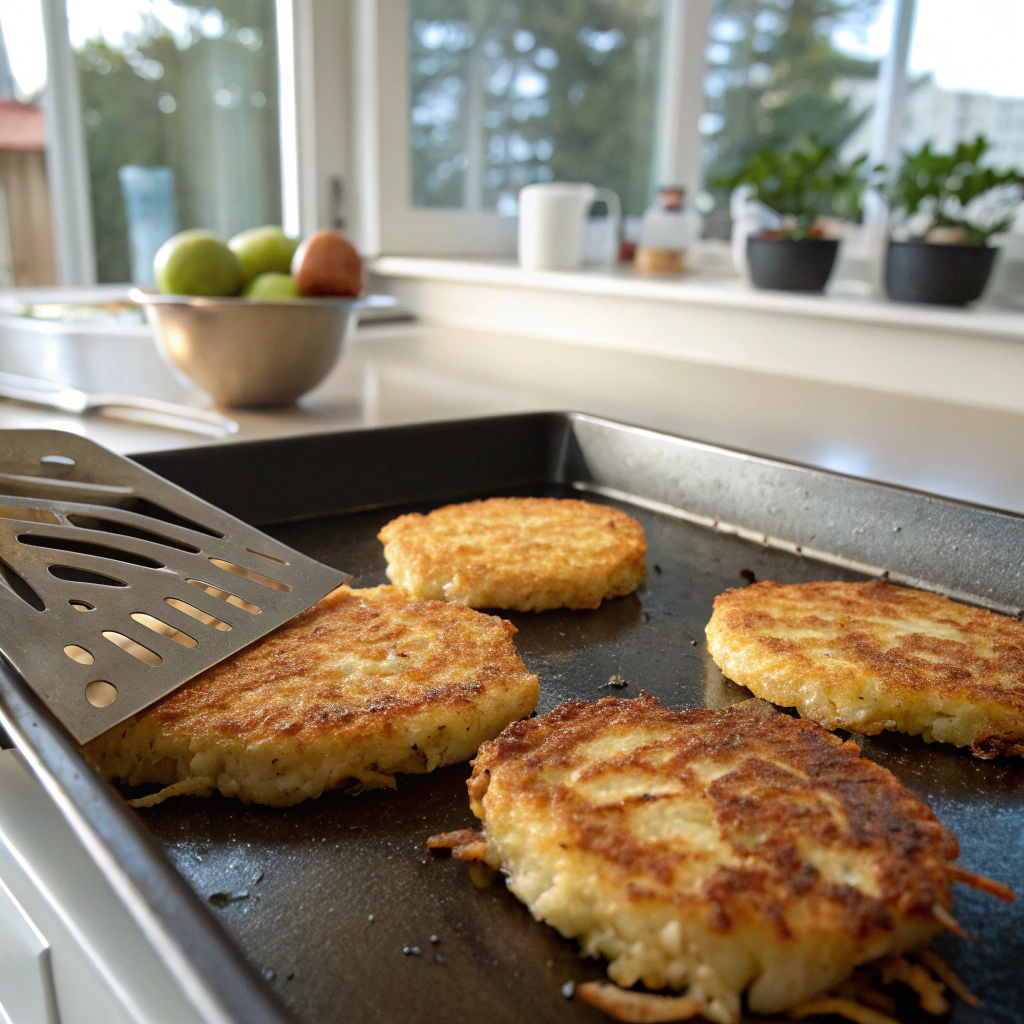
(336, 900)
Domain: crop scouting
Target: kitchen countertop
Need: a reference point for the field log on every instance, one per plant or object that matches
(408, 372)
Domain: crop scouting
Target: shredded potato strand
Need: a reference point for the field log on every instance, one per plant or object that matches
(948, 921)
(942, 970)
(976, 881)
(465, 844)
(186, 787)
(865, 993)
(841, 1008)
(929, 991)
(638, 1007)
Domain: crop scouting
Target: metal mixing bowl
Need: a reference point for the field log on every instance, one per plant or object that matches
(247, 353)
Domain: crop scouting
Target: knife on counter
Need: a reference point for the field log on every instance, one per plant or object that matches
(133, 408)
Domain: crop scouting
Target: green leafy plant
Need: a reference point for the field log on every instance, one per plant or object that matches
(803, 182)
(952, 190)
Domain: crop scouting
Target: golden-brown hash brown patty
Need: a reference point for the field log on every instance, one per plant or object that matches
(872, 656)
(527, 554)
(365, 684)
(722, 852)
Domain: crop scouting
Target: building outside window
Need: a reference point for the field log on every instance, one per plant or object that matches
(179, 107)
(26, 228)
(965, 78)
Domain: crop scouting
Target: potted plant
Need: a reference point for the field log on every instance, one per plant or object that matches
(949, 207)
(809, 189)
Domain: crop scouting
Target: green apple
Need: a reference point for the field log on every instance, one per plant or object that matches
(263, 251)
(271, 287)
(196, 262)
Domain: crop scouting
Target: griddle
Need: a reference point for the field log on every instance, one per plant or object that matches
(333, 910)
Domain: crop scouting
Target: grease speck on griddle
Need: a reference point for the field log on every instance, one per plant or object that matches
(440, 958)
(748, 575)
(411, 950)
(569, 989)
(615, 683)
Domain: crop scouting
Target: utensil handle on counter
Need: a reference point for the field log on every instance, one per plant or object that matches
(124, 407)
(206, 418)
(67, 400)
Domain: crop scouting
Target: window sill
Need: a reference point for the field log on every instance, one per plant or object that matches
(706, 290)
(971, 356)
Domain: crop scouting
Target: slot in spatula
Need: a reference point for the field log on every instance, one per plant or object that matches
(117, 586)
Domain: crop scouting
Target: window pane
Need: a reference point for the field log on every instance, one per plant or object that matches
(507, 94)
(181, 118)
(966, 78)
(23, 64)
(26, 228)
(781, 69)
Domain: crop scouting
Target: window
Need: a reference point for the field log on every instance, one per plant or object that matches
(965, 78)
(436, 112)
(506, 94)
(180, 108)
(780, 69)
(23, 63)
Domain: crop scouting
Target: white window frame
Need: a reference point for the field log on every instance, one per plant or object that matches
(390, 224)
(67, 163)
(681, 94)
(311, 36)
(344, 100)
(314, 69)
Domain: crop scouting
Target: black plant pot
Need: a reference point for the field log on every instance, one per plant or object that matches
(791, 265)
(948, 275)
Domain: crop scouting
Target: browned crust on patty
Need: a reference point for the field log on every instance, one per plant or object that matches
(787, 785)
(291, 683)
(529, 554)
(366, 684)
(837, 651)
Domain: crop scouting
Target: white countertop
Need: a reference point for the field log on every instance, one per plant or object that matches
(401, 373)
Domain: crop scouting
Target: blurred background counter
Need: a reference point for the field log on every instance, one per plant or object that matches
(408, 372)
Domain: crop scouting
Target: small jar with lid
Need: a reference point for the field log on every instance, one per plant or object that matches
(665, 234)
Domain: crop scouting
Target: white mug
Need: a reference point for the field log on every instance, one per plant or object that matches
(551, 221)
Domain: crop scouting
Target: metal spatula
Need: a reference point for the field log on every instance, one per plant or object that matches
(116, 586)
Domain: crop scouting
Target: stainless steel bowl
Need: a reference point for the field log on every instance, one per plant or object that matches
(247, 353)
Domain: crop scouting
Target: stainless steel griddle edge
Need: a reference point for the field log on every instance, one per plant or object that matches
(208, 966)
(946, 545)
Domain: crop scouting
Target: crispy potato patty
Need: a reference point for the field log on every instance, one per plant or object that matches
(872, 656)
(529, 554)
(365, 684)
(721, 852)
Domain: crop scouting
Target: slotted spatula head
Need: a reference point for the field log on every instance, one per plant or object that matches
(116, 586)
